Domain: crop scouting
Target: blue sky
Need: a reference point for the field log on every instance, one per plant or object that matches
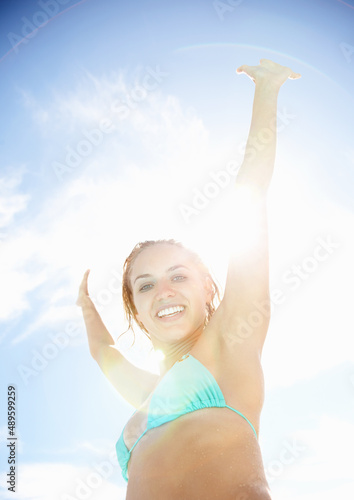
(116, 116)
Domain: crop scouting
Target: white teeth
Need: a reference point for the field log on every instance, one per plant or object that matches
(170, 310)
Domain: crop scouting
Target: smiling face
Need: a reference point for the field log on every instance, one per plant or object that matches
(169, 292)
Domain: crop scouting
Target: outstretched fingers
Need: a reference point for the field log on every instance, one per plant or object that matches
(247, 70)
(83, 289)
(241, 69)
(84, 285)
(268, 70)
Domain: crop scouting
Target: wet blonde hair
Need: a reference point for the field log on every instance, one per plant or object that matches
(127, 292)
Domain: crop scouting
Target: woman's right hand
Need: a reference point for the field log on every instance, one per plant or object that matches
(83, 296)
(269, 72)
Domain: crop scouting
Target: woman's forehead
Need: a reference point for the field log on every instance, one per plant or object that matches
(160, 257)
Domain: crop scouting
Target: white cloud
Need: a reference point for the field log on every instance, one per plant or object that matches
(328, 493)
(51, 318)
(10, 206)
(91, 220)
(317, 459)
(39, 114)
(325, 465)
(16, 280)
(158, 157)
(331, 445)
(12, 201)
(310, 327)
(60, 481)
(96, 449)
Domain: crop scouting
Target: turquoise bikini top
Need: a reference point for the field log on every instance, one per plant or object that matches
(185, 388)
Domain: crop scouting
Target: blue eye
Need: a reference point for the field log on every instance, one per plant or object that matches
(146, 287)
(143, 288)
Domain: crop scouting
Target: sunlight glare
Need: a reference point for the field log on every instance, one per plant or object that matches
(159, 355)
(244, 231)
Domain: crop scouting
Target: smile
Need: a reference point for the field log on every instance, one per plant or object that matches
(170, 311)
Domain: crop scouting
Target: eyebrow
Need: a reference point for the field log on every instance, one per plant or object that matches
(168, 270)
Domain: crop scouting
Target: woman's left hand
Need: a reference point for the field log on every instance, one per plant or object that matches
(83, 297)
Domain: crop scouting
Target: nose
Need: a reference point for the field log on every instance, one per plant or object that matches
(164, 290)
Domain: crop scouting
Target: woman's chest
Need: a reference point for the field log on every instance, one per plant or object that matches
(136, 425)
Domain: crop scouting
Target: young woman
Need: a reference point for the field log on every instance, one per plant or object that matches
(195, 432)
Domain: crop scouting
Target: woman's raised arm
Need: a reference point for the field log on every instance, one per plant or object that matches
(133, 383)
(246, 303)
